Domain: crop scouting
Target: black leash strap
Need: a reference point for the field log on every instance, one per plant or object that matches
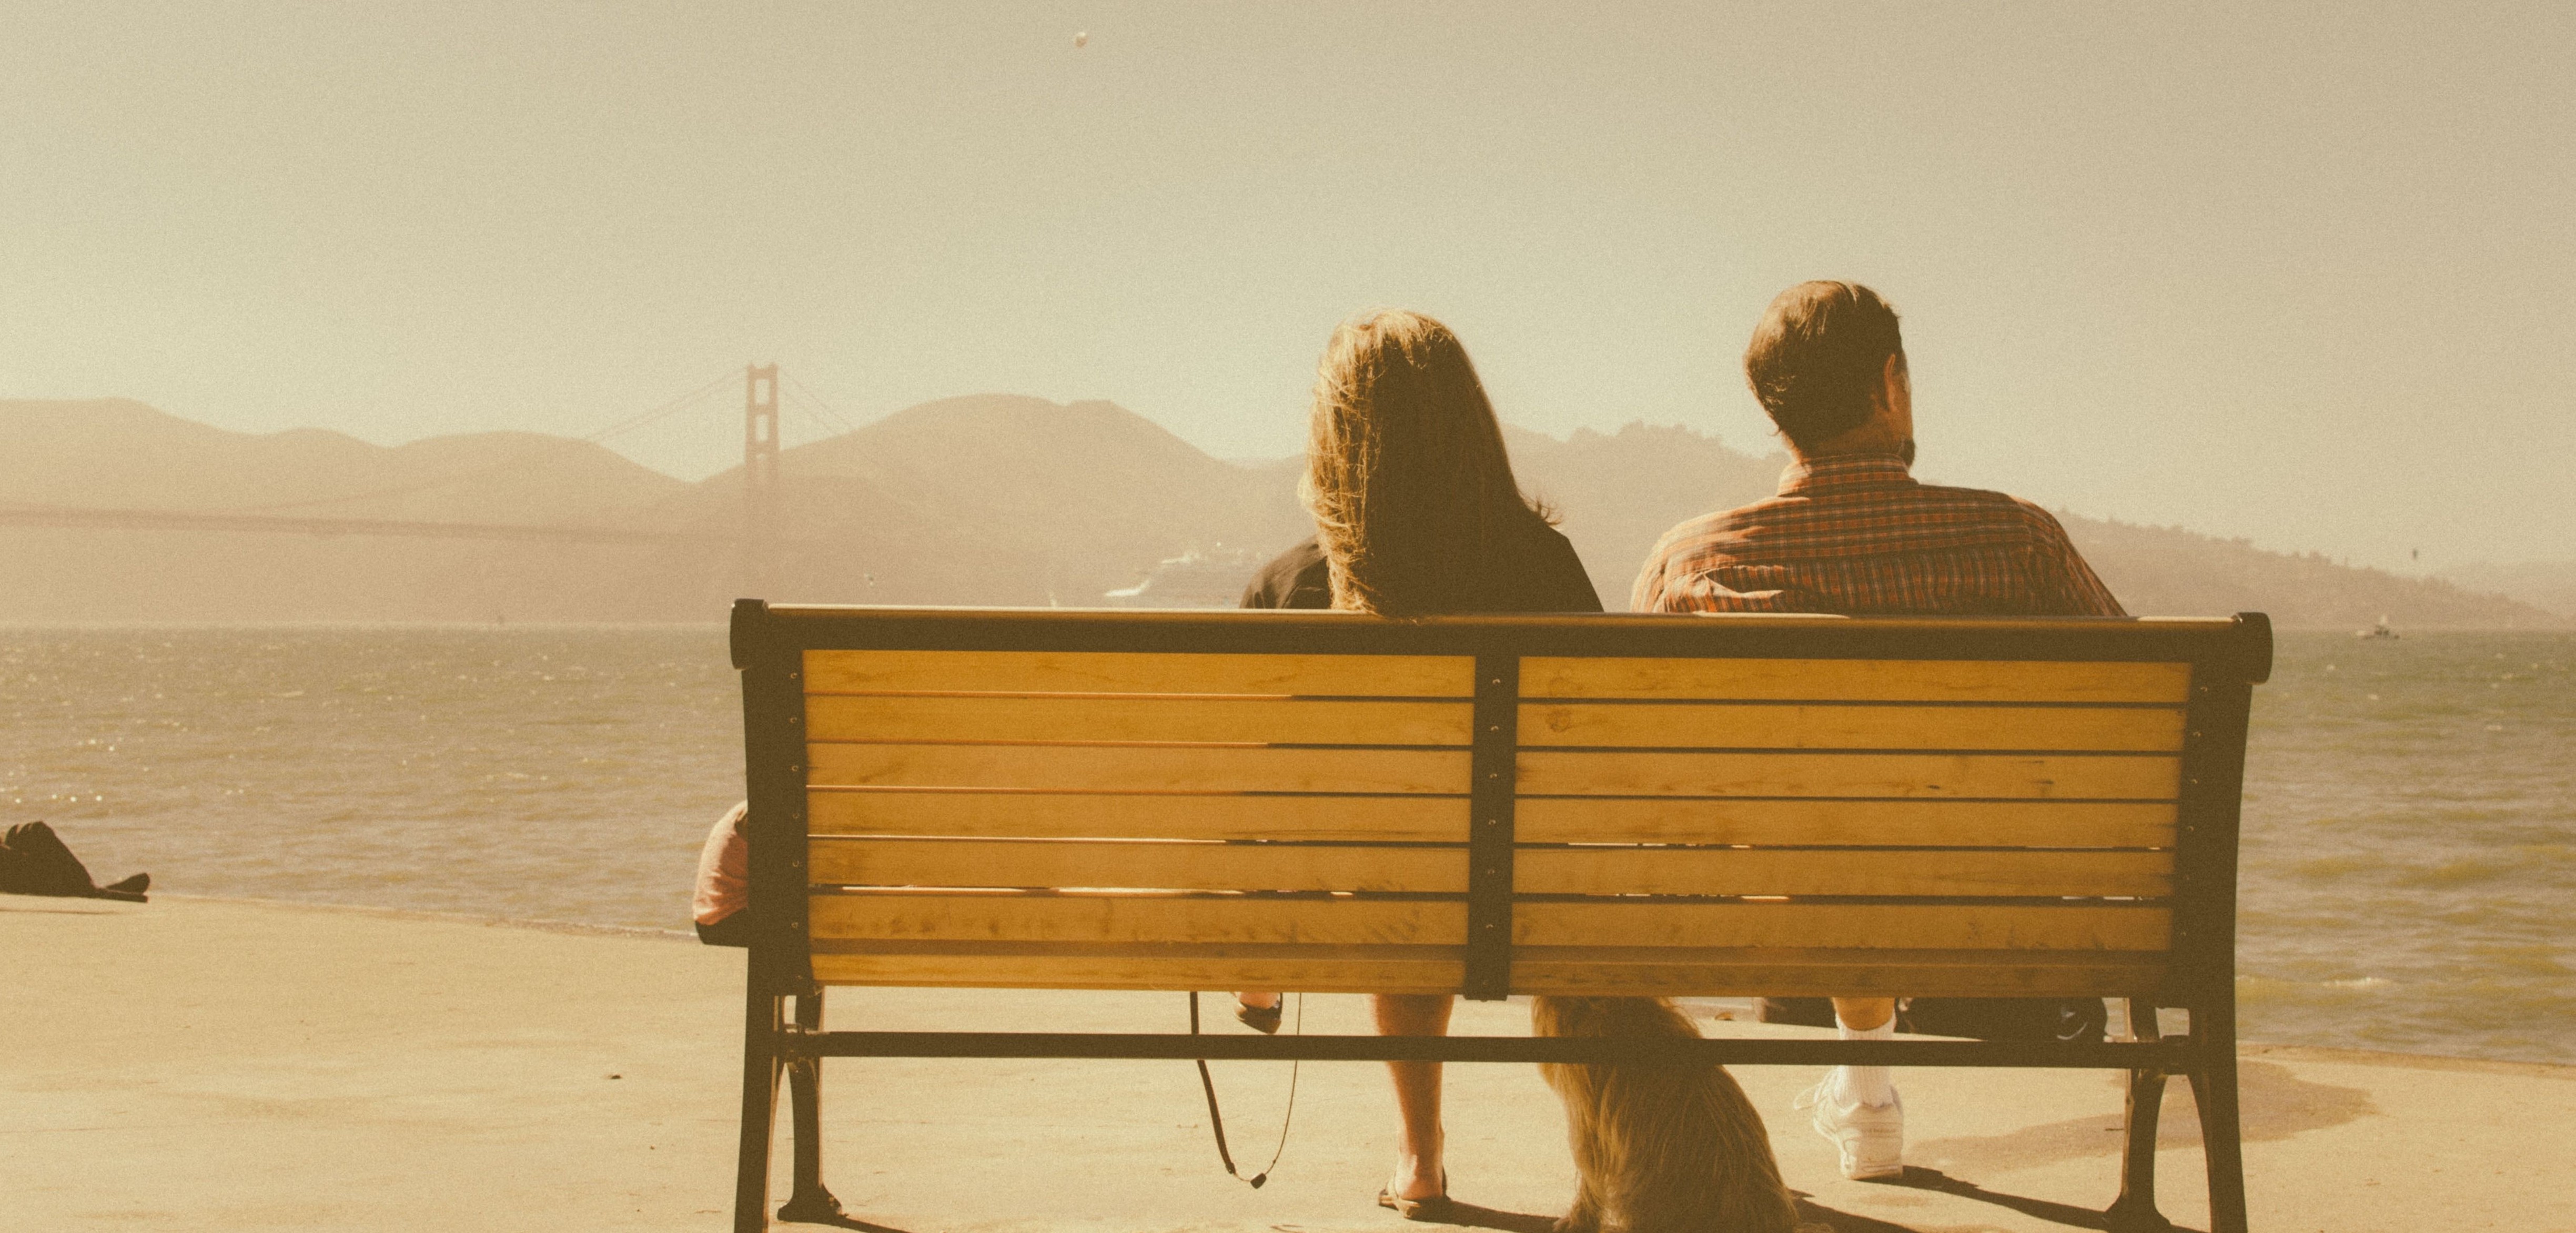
(1216, 1120)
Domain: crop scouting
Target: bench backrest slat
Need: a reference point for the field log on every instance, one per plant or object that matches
(997, 766)
(2019, 682)
(1848, 775)
(1091, 815)
(1204, 674)
(1800, 725)
(1137, 720)
(1907, 872)
(1902, 823)
(1141, 865)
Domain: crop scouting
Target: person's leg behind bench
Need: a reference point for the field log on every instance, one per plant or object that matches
(1857, 1106)
(1420, 1177)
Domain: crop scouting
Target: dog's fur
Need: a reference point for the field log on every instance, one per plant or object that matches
(1661, 1148)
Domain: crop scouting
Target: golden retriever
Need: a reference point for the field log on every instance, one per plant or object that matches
(1661, 1147)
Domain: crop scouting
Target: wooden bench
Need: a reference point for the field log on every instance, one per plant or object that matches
(1596, 805)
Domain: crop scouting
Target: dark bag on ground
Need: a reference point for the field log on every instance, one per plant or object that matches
(2082, 1019)
(34, 861)
(734, 930)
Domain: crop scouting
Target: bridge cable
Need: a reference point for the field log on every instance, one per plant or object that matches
(827, 408)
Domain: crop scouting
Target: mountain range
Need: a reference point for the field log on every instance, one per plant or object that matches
(986, 499)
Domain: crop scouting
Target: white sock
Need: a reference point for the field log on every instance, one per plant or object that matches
(1869, 1085)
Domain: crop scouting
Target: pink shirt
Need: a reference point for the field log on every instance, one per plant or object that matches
(724, 869)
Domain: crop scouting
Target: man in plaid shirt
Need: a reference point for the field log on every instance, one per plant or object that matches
(1852, 532)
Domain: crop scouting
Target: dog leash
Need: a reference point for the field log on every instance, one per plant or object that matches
(1216, 1120)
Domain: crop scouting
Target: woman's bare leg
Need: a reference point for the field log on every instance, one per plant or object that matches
(1418, 1173)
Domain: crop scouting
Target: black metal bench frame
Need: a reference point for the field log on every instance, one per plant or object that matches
(2228, 658)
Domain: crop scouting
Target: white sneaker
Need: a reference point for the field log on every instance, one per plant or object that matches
(1872, 1137)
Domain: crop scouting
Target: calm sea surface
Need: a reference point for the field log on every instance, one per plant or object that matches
(2410, 834)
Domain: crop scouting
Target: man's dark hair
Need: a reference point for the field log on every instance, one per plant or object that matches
(1817, 357)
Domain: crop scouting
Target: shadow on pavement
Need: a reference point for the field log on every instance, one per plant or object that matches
(1812, 1215)
(1918, 1178)
(1470, 1216)
(842, 1221)
(2275, 1104)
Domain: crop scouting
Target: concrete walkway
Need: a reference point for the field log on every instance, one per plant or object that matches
(201, 1064)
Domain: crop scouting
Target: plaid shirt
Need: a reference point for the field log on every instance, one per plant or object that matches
(1854, 534)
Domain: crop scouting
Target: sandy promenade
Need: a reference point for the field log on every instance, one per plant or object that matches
(202, 1064)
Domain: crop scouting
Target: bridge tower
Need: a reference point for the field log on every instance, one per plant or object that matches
(760, 483)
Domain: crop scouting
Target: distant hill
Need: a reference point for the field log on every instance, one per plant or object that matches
(995, 499)
(2549, 585)
(987, 499)
(1080, 495)
(2171, 570)
(120, 454)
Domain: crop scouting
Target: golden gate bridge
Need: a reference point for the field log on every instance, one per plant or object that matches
(756, 537)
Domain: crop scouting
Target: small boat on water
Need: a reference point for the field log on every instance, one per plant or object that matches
(1192, 580)
(2380, 630)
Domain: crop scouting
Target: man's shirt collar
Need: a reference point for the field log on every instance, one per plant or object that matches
(1874, 469)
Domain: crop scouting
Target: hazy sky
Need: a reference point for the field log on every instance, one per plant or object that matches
(2295, 272)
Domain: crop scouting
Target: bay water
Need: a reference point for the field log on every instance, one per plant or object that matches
(2409, 863)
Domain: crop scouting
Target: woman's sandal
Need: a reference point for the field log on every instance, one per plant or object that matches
(1435, 1207)
(1262, 1019)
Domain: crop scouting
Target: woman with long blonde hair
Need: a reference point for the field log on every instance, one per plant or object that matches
(1416, 514)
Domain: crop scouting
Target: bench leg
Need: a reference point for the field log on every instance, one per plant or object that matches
(810, 1202)
(2221, 1141)
(2135, 1210)
(763, 1023)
